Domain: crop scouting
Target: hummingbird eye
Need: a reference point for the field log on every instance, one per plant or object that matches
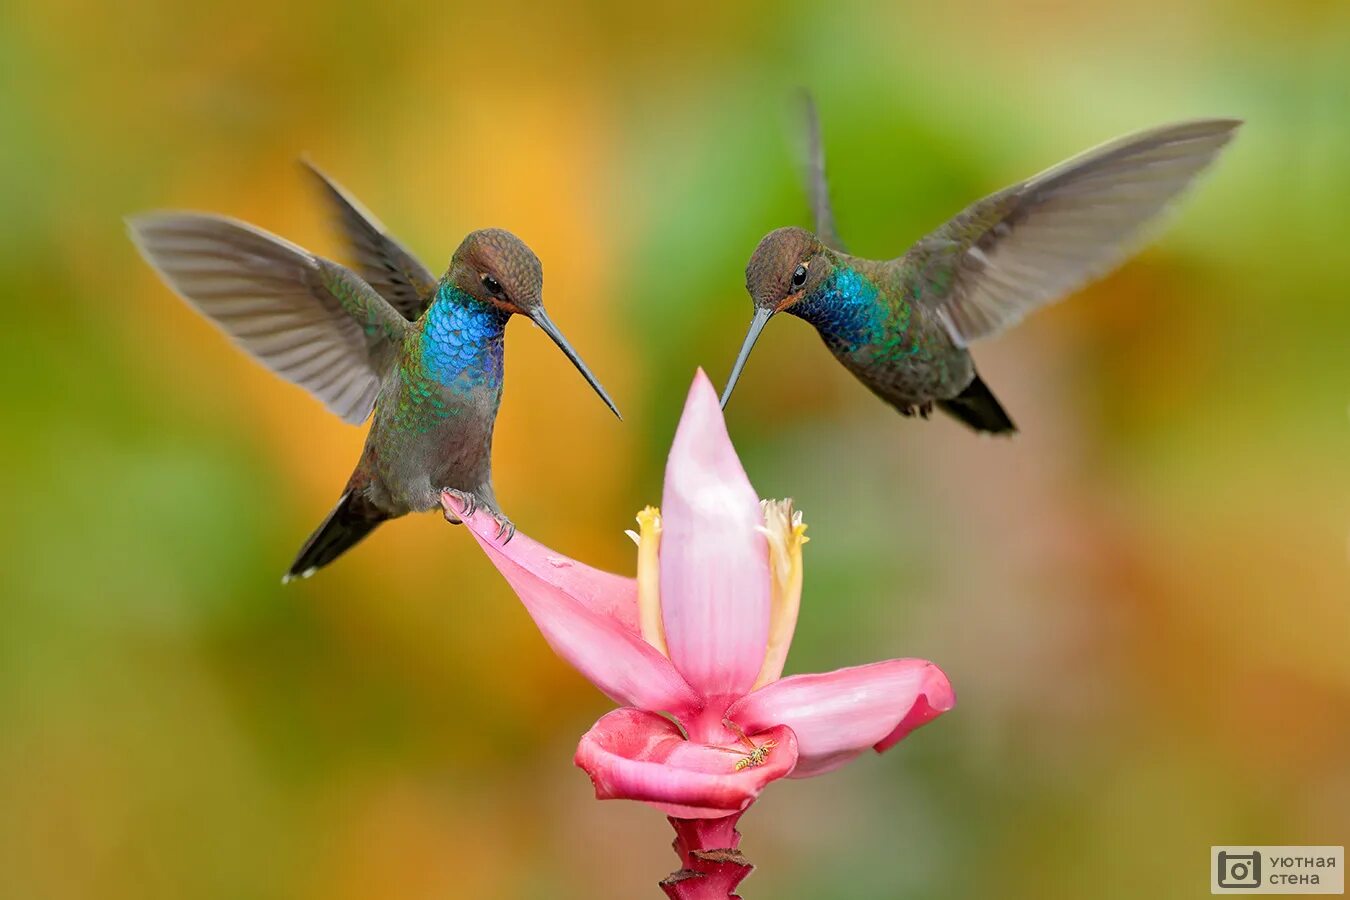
(493, 286)
(799, 276)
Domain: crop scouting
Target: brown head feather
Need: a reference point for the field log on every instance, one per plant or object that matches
(768, 276)
(498, 254)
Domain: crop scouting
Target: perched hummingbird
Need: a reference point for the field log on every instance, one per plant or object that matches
(425, 355)
(902, 326)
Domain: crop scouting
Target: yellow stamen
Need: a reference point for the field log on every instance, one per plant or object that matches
(649, 578)
(785, 531)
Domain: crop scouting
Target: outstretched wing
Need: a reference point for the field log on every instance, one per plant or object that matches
(813, 171)
(1036, 241)
(311, 321)
(385, 265)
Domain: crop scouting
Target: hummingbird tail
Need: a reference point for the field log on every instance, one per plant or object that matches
(351, 520)
(977, 407)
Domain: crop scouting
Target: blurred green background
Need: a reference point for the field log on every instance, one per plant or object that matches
(1143, 600)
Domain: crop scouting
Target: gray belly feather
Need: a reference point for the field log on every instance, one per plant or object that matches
(423, 441)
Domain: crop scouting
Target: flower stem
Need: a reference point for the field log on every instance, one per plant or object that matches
(712, 867)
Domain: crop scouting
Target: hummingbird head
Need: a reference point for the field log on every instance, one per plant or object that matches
(499, 269)
(789, 265)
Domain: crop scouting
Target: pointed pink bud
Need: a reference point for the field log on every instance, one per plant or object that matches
(632, 754)
(714, 559)
(592, 630)
(837, 715)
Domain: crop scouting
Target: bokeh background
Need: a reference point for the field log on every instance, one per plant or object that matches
(1143, 600)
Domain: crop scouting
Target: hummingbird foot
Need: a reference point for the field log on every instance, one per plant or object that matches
(506, 529)
(467, 501)
(922, 410)
(468, 505)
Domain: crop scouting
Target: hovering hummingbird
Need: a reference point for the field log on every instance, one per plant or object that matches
(425, 355)
(903, 326)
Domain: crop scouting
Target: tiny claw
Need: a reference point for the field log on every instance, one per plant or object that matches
(469, 502)
(507, 528)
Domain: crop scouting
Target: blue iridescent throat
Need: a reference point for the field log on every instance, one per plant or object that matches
(843, 308)
(462, 340)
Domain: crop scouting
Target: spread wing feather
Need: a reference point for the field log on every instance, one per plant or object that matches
(312, 321)
(1036, 241)
(383, 262)
(813, 172)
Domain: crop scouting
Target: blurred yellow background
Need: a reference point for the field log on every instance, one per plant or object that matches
(1143, 600)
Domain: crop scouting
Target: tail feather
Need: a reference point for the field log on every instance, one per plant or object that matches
(351, 520)
(978, 408)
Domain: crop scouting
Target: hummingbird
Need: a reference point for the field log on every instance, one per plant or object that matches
(421, 357)
(904, 326)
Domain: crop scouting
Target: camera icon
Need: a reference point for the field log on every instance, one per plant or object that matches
(1238, 870)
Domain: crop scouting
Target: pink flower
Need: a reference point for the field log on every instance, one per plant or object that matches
(693, 648)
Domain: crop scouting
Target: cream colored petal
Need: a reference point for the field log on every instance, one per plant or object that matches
(649, 578)
(785, 531)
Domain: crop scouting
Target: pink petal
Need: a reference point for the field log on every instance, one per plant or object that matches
(604, 592)
(838, 715)
(714, 561)
(607, 651)
(631, 754)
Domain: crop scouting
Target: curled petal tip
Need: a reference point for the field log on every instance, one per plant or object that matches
(935, 698)
(631, 754)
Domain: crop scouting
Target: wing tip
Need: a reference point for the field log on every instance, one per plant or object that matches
(136, 225)
(1218, 130)
(307, 164)
(805, 99)
(1213, 123)
(340, 195)
(143, 229)
(141, 224)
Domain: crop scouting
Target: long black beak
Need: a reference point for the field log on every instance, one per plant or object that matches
(543, 321)
(757, 324)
